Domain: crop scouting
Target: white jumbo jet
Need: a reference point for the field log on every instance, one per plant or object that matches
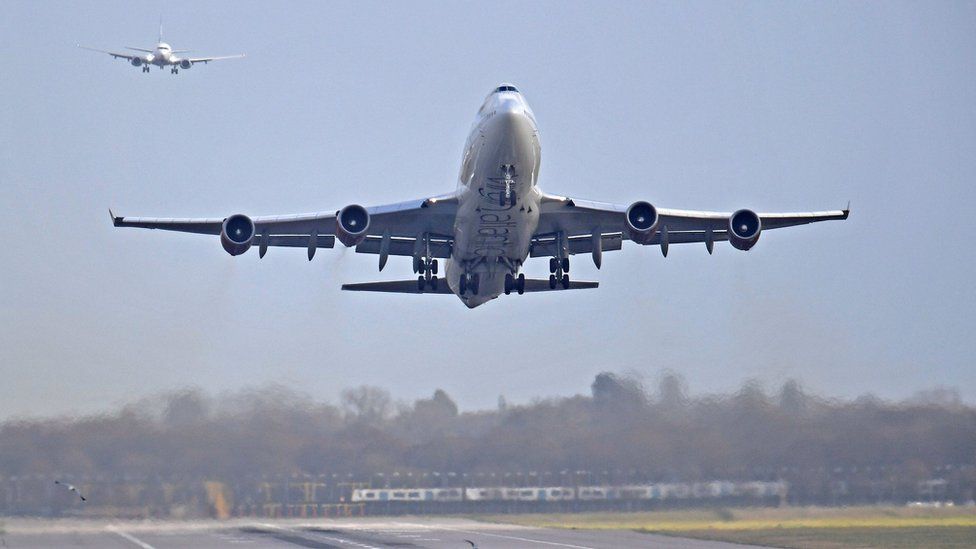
(496, 219)
(162, 56)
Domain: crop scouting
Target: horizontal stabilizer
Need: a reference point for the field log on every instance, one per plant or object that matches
(398, 287)
(412, 287)
(542, 285)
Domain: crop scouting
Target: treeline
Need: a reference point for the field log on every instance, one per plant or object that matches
(823, 448)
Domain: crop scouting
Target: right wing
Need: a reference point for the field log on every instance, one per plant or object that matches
(114, 54)
(404, 222)
(206, 60)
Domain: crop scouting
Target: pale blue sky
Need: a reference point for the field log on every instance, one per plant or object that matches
(716, 105)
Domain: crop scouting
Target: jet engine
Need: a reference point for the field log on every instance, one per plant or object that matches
(136, 61)
(185, 64)
(641, 222)
(351, 225)
(236, 234)
(744, 229)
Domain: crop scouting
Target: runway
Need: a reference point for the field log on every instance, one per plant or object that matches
(364, 533)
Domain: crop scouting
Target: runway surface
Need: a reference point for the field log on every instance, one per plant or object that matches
(364, 533)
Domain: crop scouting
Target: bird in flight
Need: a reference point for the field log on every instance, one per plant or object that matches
(71, 488)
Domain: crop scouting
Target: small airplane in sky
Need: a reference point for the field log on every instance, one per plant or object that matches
(495, 220)
(162, 55)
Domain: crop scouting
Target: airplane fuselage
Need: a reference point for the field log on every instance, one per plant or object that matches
(498, 204)
(161, 56)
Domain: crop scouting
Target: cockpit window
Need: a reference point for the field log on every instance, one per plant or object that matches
(506, 89)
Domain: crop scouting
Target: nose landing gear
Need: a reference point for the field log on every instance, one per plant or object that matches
(507, 198)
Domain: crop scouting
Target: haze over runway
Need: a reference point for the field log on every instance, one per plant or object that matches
(766, 106)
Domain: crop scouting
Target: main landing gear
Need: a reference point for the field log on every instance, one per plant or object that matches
(145, 68)
(469, 282)
(174, 70)
(514, 283)
(427, 268)
(559, 269)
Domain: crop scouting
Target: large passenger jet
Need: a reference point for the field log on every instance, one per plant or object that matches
(161, 55)
(496, 219)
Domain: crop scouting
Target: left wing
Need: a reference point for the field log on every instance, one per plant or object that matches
(206, 60)
(114, 54)
(404, 223)
(579, 221)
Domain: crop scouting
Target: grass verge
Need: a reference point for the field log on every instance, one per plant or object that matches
(794, 527)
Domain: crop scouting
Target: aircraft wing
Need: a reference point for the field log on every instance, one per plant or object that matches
(580, 220)
(206, 60)
(116, 55)
(403, 221)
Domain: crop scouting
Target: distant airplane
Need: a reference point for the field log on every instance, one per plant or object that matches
(162, 56)
(493, 222)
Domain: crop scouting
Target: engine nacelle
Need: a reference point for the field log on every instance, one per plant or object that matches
(237, 233)
(351, 225)
(744, 229)
(185, 64)
(641, 222)
(136, 61)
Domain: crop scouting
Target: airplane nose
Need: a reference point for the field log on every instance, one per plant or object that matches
(510, 106)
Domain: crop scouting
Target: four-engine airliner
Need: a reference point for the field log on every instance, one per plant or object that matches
(495, 220)
(161, 55)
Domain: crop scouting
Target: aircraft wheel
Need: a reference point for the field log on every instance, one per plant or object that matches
(463, 285)
(416, 264)
(433, 266)
(421, 283)
(475, 283)
(433, 283)
(520, 284)
(565, 264)
(509, 283)
(552, 282)
(565, 282)
(553, 264)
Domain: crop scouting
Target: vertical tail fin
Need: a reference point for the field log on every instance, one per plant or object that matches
(160, 28)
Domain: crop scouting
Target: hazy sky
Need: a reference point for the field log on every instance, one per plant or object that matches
(717, 105)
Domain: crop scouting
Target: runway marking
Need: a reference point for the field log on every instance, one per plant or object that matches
(129, 537)
(313, 536)
(515, 538)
